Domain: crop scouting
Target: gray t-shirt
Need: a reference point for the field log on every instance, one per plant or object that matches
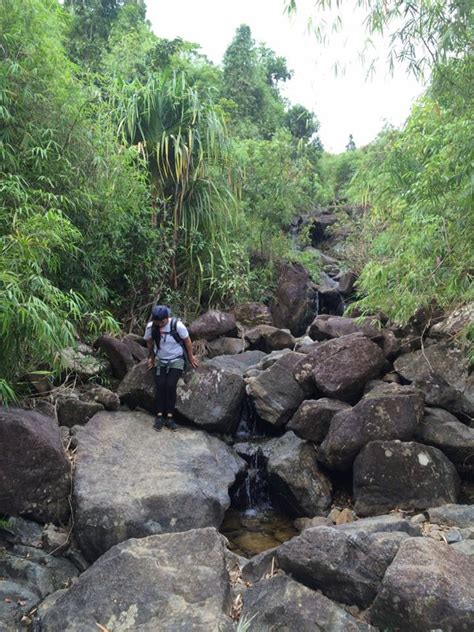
(169, 348)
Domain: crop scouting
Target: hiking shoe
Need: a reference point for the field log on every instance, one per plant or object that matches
(158, 425)
(170, 423)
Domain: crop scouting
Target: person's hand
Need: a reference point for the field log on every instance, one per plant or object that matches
(150, 363)
(194, 362)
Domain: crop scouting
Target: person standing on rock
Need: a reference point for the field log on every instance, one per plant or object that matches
(168, 345)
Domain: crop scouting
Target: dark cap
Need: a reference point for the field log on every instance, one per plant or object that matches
(160, 312)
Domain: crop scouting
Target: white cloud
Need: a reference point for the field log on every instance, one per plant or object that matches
(344, 104)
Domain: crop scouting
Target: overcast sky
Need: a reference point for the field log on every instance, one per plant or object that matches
(345, 104)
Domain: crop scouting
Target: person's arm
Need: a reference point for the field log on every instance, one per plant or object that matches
(189, 350)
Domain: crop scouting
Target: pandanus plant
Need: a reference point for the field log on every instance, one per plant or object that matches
(183, 139)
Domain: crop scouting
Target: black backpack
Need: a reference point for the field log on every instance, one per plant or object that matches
(155, 334)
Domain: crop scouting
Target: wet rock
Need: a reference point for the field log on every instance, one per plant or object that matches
(389, 474)
(275, 393)
(345, 566)
(72, 411)
(225, 346)
(296, 299)
(131, 481)
(386, 412)
(267, 339)
(173, 582)
(104, 396)
(253, 314)
(213, 324)
(119, 354)
(341, 367)
(428, 586)
(280, 603)
(35, 474)
(294, 478)
(442, 430)
(311, 420)
(211, 398)
(453, 515)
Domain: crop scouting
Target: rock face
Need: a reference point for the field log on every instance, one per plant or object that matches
(442, 430)
(213, 324)
(180, 480)
(325, 327)
(268, 339)
(427, 587)
(311, 420)
(275, 393)
(35, 474)
(280, 603)
(211, 398)
(341, 367)
(138, 388)
(408, 475)
(345, 566)
(296, 300)
(294, 477)
(386, 412)
(168, 582)
(253, 314)
(446, 361)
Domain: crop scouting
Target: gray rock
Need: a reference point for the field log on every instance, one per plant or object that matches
(386, 412)
(104, 396)
(131, 481)
(267, 338)
(443, 359)
(341, 367)
(440, 394)
(296, 299)
(260, 565)
(211, 398)
(213, 324)
(21, 531)
(119, 354)
(275, 393)
(466, 547)
(83, 363)
(280, 603)
(294, 478)
(253, 314)
(240, 363)
(454, 323)
(453, 515)
(72, 411)
(169, 582)
(346, 566)
(381, 524)
(35, 473)
(225, 346)
(408, 475)
(311, 420)
(269, 359)
(138, 387)
(442, 430)
(428, 586)
(326, 327)
(346, 283)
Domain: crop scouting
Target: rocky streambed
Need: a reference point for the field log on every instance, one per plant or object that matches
(316, 482)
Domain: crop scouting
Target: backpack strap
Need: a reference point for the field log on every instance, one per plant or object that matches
(174, 331)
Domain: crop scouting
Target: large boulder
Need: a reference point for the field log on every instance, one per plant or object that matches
(132, 482)
(225, 346)
(267, 338)
(295, 480)
(118, 352)
(280, 603)
(340, 368)
(213, 324)
(442, 430)
(346, 566)
(296, 299)
(389, 474)
(440, 394)
(82, 362)
(445, 360)
(72, 411)
(275, 393)
(164, 582)
(253, 314)
(102, 395)
(427, 587)
(326, 327)
(386, 412)
(237, 363)
(138, 387)
(35, 473)
(311, 420)
(212, 398)
(451, 515)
